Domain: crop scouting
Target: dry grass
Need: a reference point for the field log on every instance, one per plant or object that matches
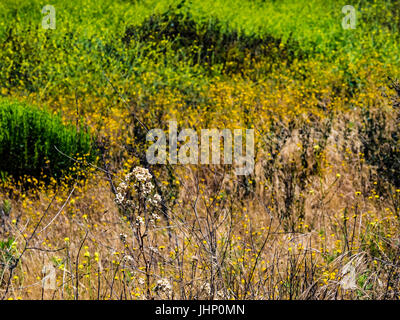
(316, 221)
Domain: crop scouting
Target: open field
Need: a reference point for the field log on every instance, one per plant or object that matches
(84, 215)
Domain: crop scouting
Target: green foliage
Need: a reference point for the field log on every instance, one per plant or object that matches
(8, 255)
(208, 43)
(92, 38)
(6, 207)
(28, 137)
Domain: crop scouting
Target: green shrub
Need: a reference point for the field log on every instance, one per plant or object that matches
(29, 138)
(209, 42)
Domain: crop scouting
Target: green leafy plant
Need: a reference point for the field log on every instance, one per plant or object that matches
(8, 255)
(29, 138)
(6, 207)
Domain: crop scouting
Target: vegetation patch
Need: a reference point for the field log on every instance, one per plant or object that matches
(29, 139)
(209, 43)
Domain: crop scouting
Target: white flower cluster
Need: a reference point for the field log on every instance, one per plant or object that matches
(154, 249)
(155, 200)
(220, 294)
(154, 217)
(141, 174)
(140, 181)
(163, 285)
(139, 221)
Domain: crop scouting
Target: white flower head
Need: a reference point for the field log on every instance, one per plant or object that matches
(163, 285)
(119, 198)
(141, 174)
(139, 221)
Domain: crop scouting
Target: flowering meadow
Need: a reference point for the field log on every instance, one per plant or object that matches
(84, 215)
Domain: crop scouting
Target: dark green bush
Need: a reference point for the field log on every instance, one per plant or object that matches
(209, 43)
(28, 137)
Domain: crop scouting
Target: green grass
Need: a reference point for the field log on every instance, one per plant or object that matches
(29, 138)
(88, 40)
